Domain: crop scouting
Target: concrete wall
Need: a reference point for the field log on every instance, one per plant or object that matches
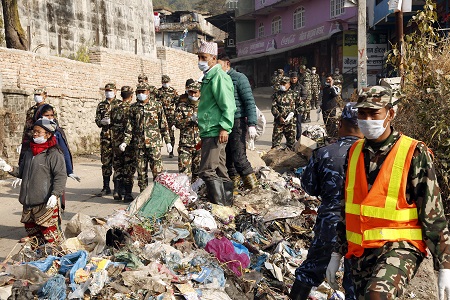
(74, 88)
(70, 24)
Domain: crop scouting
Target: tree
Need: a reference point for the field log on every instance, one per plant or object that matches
(214, 7)
(14, 33)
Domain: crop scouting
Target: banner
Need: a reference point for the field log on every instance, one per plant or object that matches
(350, 52)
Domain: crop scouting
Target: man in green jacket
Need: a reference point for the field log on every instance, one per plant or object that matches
(215, 121)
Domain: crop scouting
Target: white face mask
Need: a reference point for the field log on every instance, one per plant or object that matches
(109, 94)
(203, 66)
(142, 97)
(166, 85)
(283, 88)
(372, 129)
(336, 71)
(39, 140)
(38, 98)
(193, 98)
(314, 71)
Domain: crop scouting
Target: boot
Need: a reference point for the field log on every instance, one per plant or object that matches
(236, 182)
(106, 189)
(308, 118)
(122, 188)
(128, 196)
(116, 193)
(171, 154)
(250, 181)
(300, 291)
(215, 191)
(228, 186)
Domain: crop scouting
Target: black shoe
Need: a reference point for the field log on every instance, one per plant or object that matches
(106, 190)
(228, 186)
(117, 195)
(299, 291)
(128, 196)
(216, 192)
(171, 154)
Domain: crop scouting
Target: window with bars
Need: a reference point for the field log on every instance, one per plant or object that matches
(276, 25)
(336, 8)
(261, 30)
(299, 18)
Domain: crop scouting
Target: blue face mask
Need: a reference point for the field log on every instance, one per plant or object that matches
(142, 97)
(203, 66)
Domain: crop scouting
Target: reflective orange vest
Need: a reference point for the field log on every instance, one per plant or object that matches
(382, 214)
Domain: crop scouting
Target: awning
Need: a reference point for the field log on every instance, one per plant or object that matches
(223, 21)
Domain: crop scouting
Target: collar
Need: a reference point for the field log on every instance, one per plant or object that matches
(383, 146)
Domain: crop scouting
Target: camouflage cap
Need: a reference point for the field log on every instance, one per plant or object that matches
(285, 79)
(350, 112)
(142, 86)
(110, 86)
(47, 125)
(127, 89)
(189, 81)
(40, 90)
(280, 71)
(374, 97)
(302, 67)
(195, 86)
(165, 78)
(142, 77)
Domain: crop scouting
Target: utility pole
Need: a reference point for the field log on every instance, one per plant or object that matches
(362, 45)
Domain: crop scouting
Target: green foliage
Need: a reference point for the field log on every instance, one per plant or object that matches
(214, 7)
(425, 103)
(2, 34)
(82, 54)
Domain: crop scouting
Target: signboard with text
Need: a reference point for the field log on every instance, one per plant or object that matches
(350, 52)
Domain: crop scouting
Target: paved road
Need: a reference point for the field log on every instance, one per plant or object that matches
(81, 196)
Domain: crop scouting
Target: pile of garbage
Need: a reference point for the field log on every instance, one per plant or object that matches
(171, 244)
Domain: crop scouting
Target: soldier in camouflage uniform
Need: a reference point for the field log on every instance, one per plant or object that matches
(142, 78)
(324, 177)
(40, 97)
(186, 120)
(283, 111)
(146, 126)
(276, 79)
(103, 121)
(305, 80)
(168, 96)
(338, 79)
(299, 102)
(316, 86)
(123, 162)
(398, 243)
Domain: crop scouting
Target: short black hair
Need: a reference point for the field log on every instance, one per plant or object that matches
(126, 95)
(223, 56)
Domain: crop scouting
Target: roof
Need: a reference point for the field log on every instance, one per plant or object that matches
(224, 22)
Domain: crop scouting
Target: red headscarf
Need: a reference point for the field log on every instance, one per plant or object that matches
(38, 148)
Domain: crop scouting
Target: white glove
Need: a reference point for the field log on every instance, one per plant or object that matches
(75, 177)
(333, 267)
(122, 147)
(52, 201)
(444, 284)
(251, 132)
(169, 147)
(4, 165)
(289, 117)
(194, 118)
(251, 144)
(17, 182)
(105, 121)
(173, 128)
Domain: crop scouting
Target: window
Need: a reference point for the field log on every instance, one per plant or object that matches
(276, 25)
(336, 8)
(299, 18)
(261, 30)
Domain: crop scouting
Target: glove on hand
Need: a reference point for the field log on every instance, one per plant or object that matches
(251, 132)
(169, 147)
(444, 284)
(122, 147)
(17, 182)
(52, 201)
(4, 165)
(173, 128)
(105, 121)
(75, 177)
(333, 267)
(289, 117)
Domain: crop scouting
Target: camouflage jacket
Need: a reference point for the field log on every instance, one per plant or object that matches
(338, 79)
(283, 103)
(104, 111)
(315, 83)
(324, 174)
(168, 98)
(305, 80)
(189, 133)
(276, 82)
(119, 121)
(421, 188)
(302, 96)
(146, 125)
(30, 120)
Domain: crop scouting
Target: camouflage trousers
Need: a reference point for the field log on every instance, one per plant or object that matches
(329, 118)
(288, 130)
(144, 157)
(124, 164)
(189, 161)
(172, 136)
(306, 110)
(106, 155)
(315, 99)
(383, 273)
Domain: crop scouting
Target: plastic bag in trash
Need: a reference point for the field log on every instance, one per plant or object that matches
(203, 219)
(202, 237)
(53, 289)
(224, 250)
